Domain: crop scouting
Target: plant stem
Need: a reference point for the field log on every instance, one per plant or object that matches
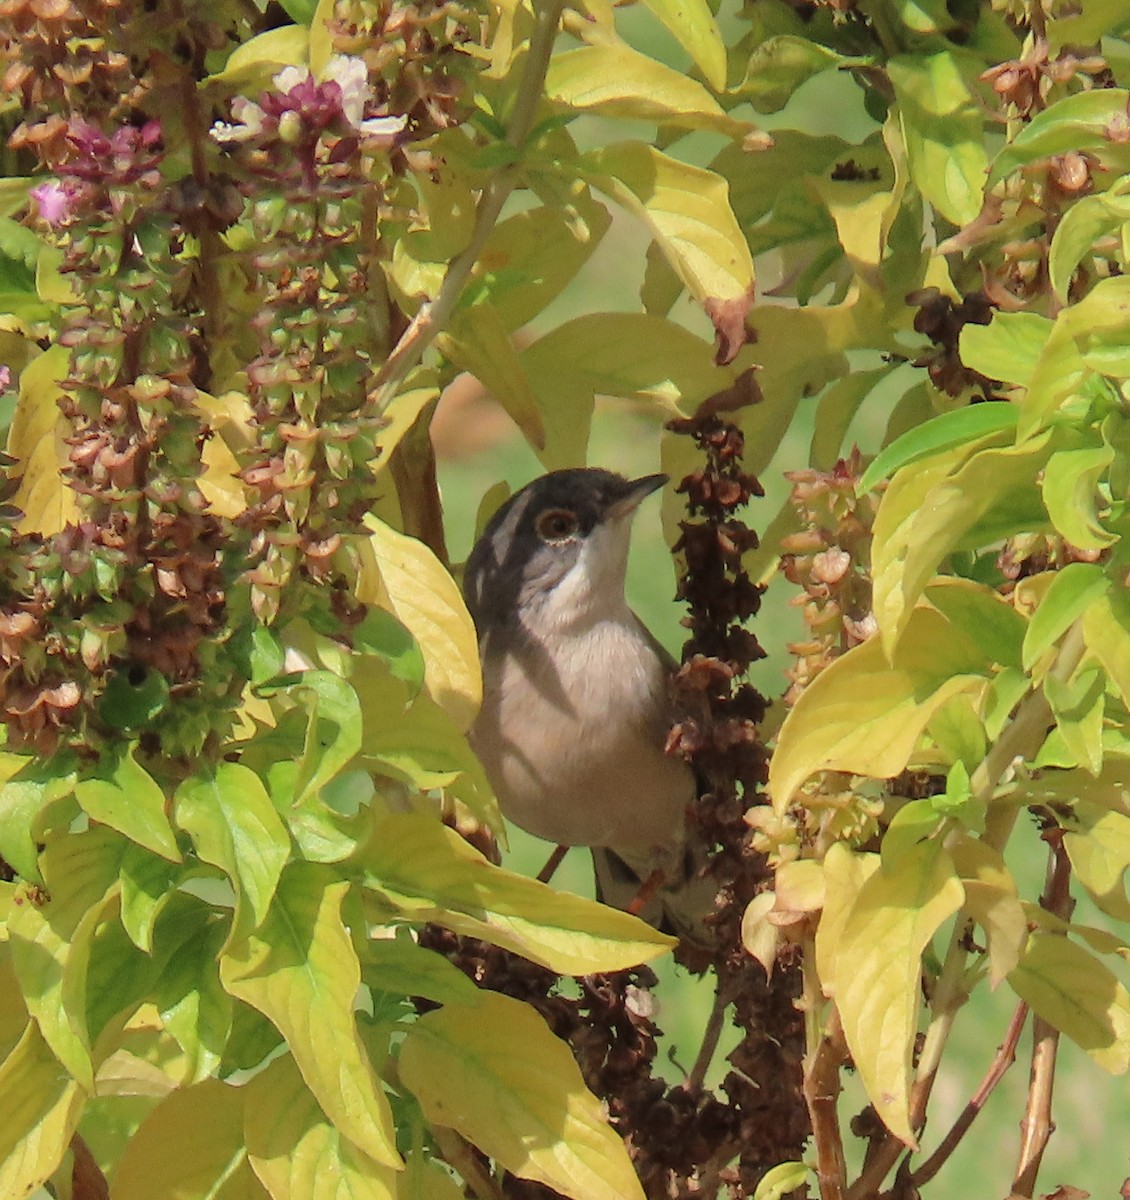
(432, 317)
(1005, 1057)
(822, 1087)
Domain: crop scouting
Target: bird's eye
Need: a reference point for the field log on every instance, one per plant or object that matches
(556, 524)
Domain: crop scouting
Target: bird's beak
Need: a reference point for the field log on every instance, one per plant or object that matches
(640, 489)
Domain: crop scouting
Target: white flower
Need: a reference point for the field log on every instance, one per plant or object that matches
(382, 126)
(352, 76)
(249, 118)
(290, 77)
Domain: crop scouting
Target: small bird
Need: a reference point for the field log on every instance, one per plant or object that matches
(576, 691)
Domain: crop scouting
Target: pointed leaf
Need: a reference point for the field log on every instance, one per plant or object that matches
(991, 899)
(692, 24)
(414, 585)
(29, 786)
(1070, 488)
(1072, 591)
(424, 871)
(614, 80)
(148, 883)
(40, 1105)
(131, 801)
(300, 970)
(877, 969)
(234, 826)
(496, 1074)
(51, 939)
(205, 1125)
(1008, 349)
(688, 212)
(35, 438)
(864, 714)
(1098, 844)
(1072, 990)
(1106, 630)
(297, 1153)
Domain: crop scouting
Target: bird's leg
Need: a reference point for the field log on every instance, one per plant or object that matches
(647, 892)
(552, 863)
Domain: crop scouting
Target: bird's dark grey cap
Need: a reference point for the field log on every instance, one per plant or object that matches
(510, 539)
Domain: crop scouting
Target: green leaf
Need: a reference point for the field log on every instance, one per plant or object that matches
(297, 1153)
(877, 972)
(301, 11)
(192, 1002)
(148, 883)
(51, 939)
(692, 24)
(1106, 631)
(252, 63)
(1007, 349)
(779, 65)
(781, 1180)
(119, 979)
(865, 714)
(29, 787)
(688, 212)
(1070, 594)
(422, 871)
(612, 79)
(333, 732)
(1076, 993)
(381, 633)
(983, 615)
(497, 1075)
(407, 578)
(1079, 231)
(991, 900)
(1070, 489)
(629, 355)
(942, 127)
(1078, 705)
(835, 413)
(1075, 123)
(957, 428)
(131, 801)
(477, 341)
(300, 970)
(35, 438)
(40, 1105)
(234, 826)
(205, 1124)
(400, 966)
(1098, 843)
(955, 500)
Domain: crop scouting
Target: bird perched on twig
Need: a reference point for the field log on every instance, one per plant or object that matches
(576, 698)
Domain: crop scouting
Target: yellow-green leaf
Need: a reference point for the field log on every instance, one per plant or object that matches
(423, 871)
(36, 439)
(51, 939)
(478, 342)
(300, 970)
(252, 64)
(1098, 843)
(1106, 630)
(190, 1146)
(132, 802)
(845, 873)
(1072, 990)
(614, 80)
(991, 900)
(234, 826)
(40, 1105)
(877, 968)
(296, 1152)
(693, 25)
(497, 1075)
(865, 714)
(414, 586)
(688, 212)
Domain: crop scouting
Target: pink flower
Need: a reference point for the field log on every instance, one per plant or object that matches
(53, 201)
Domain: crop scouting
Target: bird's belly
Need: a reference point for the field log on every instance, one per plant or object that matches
(581, 763)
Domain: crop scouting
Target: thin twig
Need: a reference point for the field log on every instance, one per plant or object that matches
(1003, 1060)
(432, 318)
(552, 863)
(461, 1156)
(822, 1086)
(1037, 1125)
(710, 1036)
